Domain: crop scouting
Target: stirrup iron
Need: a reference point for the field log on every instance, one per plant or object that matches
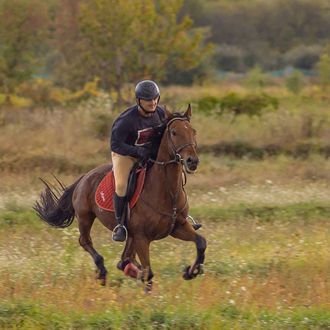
(115, 229)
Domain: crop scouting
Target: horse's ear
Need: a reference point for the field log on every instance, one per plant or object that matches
(188, 112)
(168, 114)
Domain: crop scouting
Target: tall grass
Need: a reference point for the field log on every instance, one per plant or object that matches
(260, 271)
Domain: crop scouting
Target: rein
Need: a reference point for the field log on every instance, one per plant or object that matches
(176, 160)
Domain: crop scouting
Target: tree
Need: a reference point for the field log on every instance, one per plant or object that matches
(126, 40)
(323, 67)
(23, 28)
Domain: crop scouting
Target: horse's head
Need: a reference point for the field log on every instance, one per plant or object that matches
(180, 141)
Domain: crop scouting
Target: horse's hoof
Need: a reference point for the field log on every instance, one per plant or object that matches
(148, 287)
(186, 274)
(189, 274)
(101, 277)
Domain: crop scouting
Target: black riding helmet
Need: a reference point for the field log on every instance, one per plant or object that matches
(147, 90)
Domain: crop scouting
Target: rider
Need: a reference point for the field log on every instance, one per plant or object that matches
(131, 138)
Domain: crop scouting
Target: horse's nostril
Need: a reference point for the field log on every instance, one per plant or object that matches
(192, 162)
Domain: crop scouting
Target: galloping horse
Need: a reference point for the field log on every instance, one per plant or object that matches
(161, 210)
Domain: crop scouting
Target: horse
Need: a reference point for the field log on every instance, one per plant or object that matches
(161, 210)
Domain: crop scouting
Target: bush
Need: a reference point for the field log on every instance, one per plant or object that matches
(42, 92)
(208, 104)
(294, 82)
(323, 68)
(303, 57)
(255, 78)
(251, 105)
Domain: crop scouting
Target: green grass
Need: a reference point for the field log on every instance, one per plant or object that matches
(28, 316)
(266, 222)
(15, 215)
(265, 268)
(301, 212)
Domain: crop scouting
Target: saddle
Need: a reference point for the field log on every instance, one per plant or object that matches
(106, 188)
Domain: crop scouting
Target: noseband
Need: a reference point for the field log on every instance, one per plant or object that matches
(176, 150)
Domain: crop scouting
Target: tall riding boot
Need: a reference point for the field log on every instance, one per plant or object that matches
(119, 233)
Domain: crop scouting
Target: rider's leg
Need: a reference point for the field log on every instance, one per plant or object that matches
(122, 166)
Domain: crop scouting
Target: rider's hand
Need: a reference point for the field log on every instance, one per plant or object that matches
(143, 153)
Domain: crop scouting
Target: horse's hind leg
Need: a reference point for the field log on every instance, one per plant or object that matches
(85, 223)
(187, 233)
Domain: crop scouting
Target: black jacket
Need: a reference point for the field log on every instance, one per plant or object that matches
(131, 131)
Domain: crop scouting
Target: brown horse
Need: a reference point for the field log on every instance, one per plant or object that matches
(161, 210)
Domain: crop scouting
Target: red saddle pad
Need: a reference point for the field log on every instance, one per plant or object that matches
(106, 188)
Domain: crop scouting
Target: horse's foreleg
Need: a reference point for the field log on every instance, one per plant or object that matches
(187, 233)
(141, 246)
(85, 223)
(128, 263)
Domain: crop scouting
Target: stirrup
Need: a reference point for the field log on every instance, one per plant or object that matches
(195, 225)
(115, 230)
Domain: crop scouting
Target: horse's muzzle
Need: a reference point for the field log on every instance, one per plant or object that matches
(191, 164)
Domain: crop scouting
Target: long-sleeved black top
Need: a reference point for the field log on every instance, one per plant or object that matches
(132, 130)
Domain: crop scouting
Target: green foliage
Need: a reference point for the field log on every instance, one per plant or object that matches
(43, 92)
(225, 316)
(296, 212)
(23, 34)
(208, 104)
(229, 58)
(255, 78)
(122, 41)
(251, 105)
(18, 216)
(323, 67)
(235, 104)
(268, 33)
(302, 56)
(294, 82)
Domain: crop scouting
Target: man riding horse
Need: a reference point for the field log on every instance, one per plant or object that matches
(162, 208)
(131, 137)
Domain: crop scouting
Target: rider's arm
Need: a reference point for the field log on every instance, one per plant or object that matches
(120, 134)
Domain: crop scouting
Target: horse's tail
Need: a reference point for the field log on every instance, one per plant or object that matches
(55, 205)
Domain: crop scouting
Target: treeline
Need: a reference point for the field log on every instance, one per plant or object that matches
(271, 34)
(114, 42)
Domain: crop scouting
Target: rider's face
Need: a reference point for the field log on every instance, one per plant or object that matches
(149, 105)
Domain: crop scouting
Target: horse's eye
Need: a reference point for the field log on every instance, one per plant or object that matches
(173, 132)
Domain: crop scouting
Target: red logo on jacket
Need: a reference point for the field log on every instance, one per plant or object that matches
(144, 136)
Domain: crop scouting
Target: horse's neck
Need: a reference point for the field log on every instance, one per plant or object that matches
(166, 180)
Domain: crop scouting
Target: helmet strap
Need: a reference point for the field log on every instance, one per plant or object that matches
(143, 109)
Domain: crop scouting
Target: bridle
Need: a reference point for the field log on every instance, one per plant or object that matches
(175, 150)
(176, 160)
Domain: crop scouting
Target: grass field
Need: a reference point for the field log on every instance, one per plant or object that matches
(266, 222)
(266, 268)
